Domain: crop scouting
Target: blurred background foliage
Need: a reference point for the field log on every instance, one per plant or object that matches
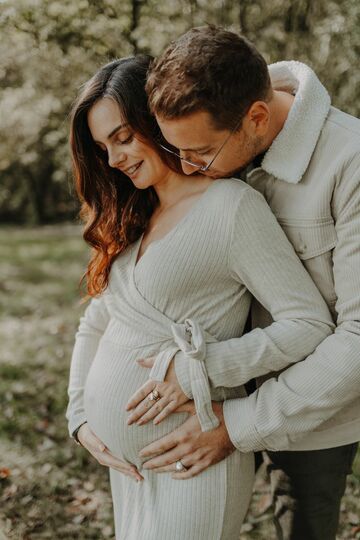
(49, 48)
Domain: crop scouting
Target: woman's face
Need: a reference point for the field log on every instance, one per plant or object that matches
(125, 150)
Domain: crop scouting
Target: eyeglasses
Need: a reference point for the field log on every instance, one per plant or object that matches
(199, 166)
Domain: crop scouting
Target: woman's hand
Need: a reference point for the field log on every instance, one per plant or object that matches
(98, 450)
(143, 408)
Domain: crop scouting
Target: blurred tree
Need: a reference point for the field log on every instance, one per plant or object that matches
(48, 48)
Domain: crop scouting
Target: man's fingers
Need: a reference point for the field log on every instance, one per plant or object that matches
(165, 469)
(191, 472)
(188, 461)
(160, 446)
(170, 407)
(165, 459)
(140, 394)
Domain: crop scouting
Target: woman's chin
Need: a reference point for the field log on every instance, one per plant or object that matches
(141, 184)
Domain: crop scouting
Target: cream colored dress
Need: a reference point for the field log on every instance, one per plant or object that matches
(188, 289)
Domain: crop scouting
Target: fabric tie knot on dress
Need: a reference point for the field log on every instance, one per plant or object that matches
(190, 339)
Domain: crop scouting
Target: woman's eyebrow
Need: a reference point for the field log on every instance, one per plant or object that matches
(120, 126)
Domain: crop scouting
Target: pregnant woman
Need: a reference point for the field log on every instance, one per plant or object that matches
(175, 262)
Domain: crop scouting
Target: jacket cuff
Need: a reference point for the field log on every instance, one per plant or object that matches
(182, 370)
(240, 423)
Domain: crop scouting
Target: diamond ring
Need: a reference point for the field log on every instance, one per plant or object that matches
(179, 466)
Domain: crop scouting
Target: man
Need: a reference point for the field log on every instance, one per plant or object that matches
(219, 109)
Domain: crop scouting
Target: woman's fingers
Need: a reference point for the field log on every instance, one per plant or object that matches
(144, 408)
(155, 409)
(142, 393)
(170, 400)
(170, 408)
(109, 460)
(98, 450)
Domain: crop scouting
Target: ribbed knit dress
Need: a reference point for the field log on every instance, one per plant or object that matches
(188, 289)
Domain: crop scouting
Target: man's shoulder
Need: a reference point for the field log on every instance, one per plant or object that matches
(344, 129)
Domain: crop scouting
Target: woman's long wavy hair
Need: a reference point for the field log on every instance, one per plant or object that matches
(115, 212)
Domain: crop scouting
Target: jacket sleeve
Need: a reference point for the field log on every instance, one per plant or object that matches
(262, 259)
(91, 328)
(305, 395)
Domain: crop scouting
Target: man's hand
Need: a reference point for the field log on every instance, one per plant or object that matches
(98, 450)
(171, 397)
(196, 449)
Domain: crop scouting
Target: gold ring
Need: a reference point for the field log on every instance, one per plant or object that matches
(154, 395)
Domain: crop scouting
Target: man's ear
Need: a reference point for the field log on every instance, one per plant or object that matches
(258, 118)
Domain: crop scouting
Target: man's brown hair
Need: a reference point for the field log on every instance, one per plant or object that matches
(210, 69)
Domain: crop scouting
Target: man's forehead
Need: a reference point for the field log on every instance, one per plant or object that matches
(189, 131)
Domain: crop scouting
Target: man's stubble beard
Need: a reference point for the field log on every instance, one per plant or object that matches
(252, 148)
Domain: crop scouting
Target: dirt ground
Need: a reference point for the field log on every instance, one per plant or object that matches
(50, 488)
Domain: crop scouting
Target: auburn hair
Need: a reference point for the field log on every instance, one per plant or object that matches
(115, 212)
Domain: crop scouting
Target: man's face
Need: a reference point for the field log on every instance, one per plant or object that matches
(198, 141)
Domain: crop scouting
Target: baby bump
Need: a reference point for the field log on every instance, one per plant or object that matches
(113, 378)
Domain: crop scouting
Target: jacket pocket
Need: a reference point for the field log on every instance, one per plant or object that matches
(310, 238)
(314, 241)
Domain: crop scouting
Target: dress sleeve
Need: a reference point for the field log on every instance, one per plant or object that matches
(262, 259)
(91, 328)
(304, 396)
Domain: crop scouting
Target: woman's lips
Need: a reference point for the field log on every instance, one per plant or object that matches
(133, 169)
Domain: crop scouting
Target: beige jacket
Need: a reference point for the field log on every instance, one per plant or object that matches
(310, 177)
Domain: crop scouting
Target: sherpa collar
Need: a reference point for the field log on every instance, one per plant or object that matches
(289, 154)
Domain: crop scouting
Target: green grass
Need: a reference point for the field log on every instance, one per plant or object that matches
(52, 488)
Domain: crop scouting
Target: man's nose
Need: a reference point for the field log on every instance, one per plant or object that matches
(187, 168)
(186, 164)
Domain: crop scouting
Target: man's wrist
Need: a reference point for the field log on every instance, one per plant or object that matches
(240, 424)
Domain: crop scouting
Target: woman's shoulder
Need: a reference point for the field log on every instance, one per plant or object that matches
(236, 203)
(232, 186)
(233, 192)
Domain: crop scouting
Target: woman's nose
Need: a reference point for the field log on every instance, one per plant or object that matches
(116, 158)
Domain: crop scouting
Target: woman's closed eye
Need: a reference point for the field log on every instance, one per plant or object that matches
(126, 140)
(119, 141)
